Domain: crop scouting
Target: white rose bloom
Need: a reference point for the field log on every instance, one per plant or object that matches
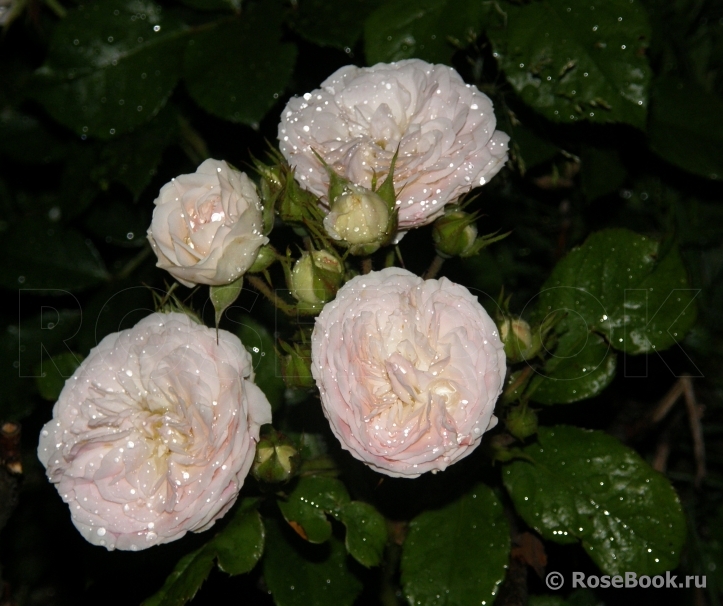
(409, 371)
(444, 129)
(207, 227)
(154, 433)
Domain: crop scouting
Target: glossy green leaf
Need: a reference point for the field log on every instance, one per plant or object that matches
(229, 76)
(52, 374)
(132, 159)
(581, 366)
(185, 580)
(626, 287)
(299, 574)
(457, 554)
(426, 29)
(585, 485)
(331, 23)
(241, 543)
(260, 344)
(307, 505)
(575, 60)
(366, 532)
(685, 127)
(111, 66)
(237, 548)
(46, 256)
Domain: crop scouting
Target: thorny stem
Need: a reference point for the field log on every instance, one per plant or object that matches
(263, 288)
(433, 268)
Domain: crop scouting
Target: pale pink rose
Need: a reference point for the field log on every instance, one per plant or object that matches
(409, 371)
(207, 227)
(154, 433)
(444, 128)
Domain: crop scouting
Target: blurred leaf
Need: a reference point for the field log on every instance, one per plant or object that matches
(572, 60)
(534, 149)
(111, 66)
(624, 286)
(118, 223)
(237, 548)
(185, 580)
(39, 255)
(602, 172)
(306, 507)
(260, 344)
(581, 367)
(132, 159)
(332, 23)
(238, 69)
(460, 551)
(586, 485)
(300, 574)
(23, 137)
(213, 5)
(77, 187)
(431, 30)
(366, 532)
(685, 127)
(52, 374)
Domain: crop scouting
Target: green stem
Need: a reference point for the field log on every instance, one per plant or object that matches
(433, 268)
(264, 289)
(57, 8)
(133, 264)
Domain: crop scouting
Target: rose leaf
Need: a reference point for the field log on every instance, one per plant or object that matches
(228, 74)
(572, 63)
(459, 552)
(111, 66)
(629, 288)
(585, 485)
(366, 532)
(298, 573)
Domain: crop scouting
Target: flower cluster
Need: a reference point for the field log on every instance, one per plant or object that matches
(156, 431)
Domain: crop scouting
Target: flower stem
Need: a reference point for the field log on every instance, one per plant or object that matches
(264, 289)
(366, 265)
(433, 268)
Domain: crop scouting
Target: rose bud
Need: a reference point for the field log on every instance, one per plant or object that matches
(316, 277)
(296, 366)
(454, 233)
(360, 218)
(264, 260)
(520, 342)
(277, 459)
(521, 422)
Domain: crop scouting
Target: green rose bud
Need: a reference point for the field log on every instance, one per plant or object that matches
(264, 259)
(316, 277)
(519, 340)
(296, 366)
(521, 422)
(358, 217)
(454, 234)
(277, 459)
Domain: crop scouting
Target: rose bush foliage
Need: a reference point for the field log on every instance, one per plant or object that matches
(109, 101)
